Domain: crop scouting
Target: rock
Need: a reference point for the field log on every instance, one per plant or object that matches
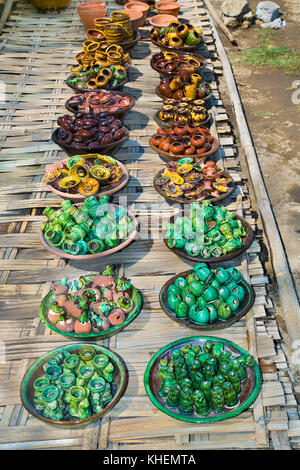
(235, 12)
(267, 11)
(234, 8)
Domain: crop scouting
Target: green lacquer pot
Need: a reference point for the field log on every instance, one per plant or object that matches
(50, 298)
(250, 387)
(30, 386)
(214, 323)
(198, 254)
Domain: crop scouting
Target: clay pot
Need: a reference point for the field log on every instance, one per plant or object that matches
(59, 289)
(116, 316)
(168, 8)
(82, 328)
(160, 21)
(139, 6)
(89, 11)
(136, 18)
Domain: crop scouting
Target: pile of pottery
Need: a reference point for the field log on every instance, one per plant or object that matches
(208, 231)
(100, 55)
(177, 35)
(95, 303)
(74, 385)
(185, 140)
(103, 101)
(185, 85)
(98, 77)
(206, 295)
(189, 179)
(84, 175)
(92, 228)
(198, 381)
(185, 111)
(89, 131)
(171, 63)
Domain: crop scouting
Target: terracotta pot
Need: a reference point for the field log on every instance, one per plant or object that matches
(138, 6)
(88, 11)
(168, 8)
(160, 21)
(136, 18)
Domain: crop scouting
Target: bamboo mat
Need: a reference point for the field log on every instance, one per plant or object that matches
(36, 53)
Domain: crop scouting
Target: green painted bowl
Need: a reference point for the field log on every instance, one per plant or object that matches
(50, 297)
(219, 324)
(36, 370)
(250, 387)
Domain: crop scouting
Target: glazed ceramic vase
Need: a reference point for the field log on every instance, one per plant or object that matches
(89, 11)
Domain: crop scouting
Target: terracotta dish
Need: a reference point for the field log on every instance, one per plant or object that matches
(169, 64)
(217, 324)
(187, 180)
(250, 387)
(133, 229)
(101, 174)
(37, 370)
(160, 21)
(113, 103)
(89, 133)
(177, 36)
(181, 141)
(100, 325)
(206, 249)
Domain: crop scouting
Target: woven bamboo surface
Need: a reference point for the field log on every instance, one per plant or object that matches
(36, 53)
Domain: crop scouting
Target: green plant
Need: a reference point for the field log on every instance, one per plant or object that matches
(265, 115)
(280, 58)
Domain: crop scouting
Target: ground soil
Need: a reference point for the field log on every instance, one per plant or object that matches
(274, 122)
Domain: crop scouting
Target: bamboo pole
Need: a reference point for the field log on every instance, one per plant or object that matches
(218, 21)
(286, 289)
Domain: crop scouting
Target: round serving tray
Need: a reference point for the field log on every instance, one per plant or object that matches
(62, 254)
(169, 156)
(198, 259)
(179, 49)
(219, 324)
(165, 98)
(167, 124)
(74, 109)
(112, 189)
(50, 298)
(250, 387)
(71, 150)
(36, 371)
(198, 57)
(181, 200)
(96, 90)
